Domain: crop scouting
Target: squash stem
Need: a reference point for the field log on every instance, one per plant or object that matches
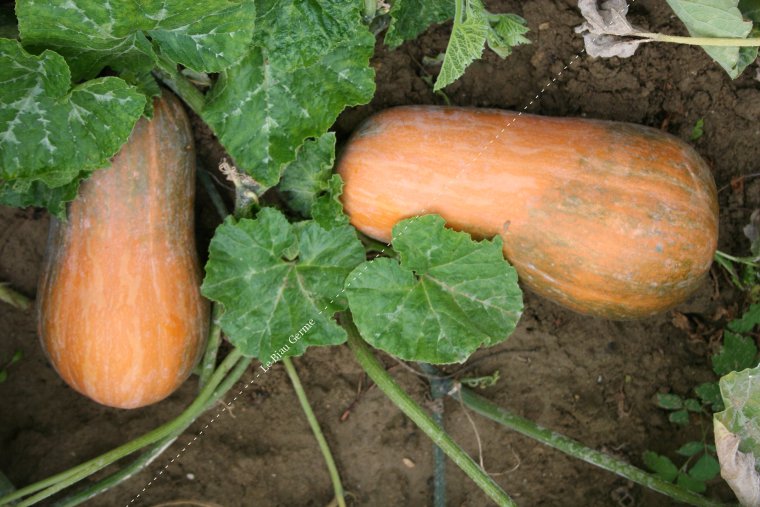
(54, 484)
(213, 193)
(14, 298)
(147, 458)
(208, 363)
(749, 261)
(700, 41)
(408, 406)
(439, 458)
(167, 72)
(323, 446)
(572, 447)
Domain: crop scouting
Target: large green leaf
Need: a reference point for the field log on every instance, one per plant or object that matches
(309, 61)
(741, 396)
(92, 34)
(51, 132)
(308, 175)
(717, 18)
(409, 18)
(448, 296)
(472, 29)
(22, 194)
(273, 278)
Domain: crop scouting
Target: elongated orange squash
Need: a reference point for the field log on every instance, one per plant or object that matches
(120, 311)
(609, 219)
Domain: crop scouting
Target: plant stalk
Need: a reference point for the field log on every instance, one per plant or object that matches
(700, 41)
(408, 406)
(323, 446)
(51, 485)
(213, 193)
(14, 298)
(167, 72)
(574, 448)
(208, 363)
(439, 458)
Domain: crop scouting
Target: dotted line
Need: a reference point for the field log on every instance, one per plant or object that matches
(348, 284)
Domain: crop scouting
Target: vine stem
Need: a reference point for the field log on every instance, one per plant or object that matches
(208, 363)
(147, 458)
(51, 485)
(700, 41)
(749, 261)
(572, 447)
(323, 446)
(167, 72)
(439, 458)
(408, 406)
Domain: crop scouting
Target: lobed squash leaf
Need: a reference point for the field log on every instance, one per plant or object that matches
(273, 277)
(327, 210)
(741, 395)
(472, 29)
(409, 18)
(91, 34)
(308, 175)
(448, 295)
(308, 61)
(50, 133)
(718, 18)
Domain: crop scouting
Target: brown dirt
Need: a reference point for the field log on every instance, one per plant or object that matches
(591, 379)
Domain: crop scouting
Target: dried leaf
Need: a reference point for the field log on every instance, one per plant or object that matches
(736, 467)
(606, 31)
(752, 231)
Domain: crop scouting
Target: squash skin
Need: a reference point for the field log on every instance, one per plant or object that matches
(608, 219)
(121, 315)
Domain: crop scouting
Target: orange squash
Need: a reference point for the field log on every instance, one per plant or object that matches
(609, 219)
(120, 311)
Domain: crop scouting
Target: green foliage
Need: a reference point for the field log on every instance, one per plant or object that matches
(17, 356)
(741, 395)
(698, 130)
(308, 175)
(700, 466)
(309, 60)
(121, 34)
(737, 353)
(718, 18)
(473, 27)
(51, 133)
(409, 18)
(446, 297)
(274, 277)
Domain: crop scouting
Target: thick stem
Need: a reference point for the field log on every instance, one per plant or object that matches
(574, 448)
(439, 458)
(56, 483)
(323, 446)
(700, 41)
(412, 410)
(167, 72)
(14, 298)
(213, 193)
(750, 261)
(146, 458)
(208, 363)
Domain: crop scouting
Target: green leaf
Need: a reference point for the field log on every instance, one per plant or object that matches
(737, 353)
(147, 85)
(507, 32)
(409, 18)
(22, 194)
(465, 44)
(204, 36)
(747, 322)
(709, 393)
(274, 277)
(3, 375)
(661, 466)
(690, 483)
(669, 401)
(705, 469)
(680, 417)
(51, 132)
(750, 9)
(698, 130)
(717, 18)
(310, 60)
(327, 210)
(448, 296)
(693, 405)
(741, 396)
(308, 175)
(691, 448)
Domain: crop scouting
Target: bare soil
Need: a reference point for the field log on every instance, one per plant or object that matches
(591, 379)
